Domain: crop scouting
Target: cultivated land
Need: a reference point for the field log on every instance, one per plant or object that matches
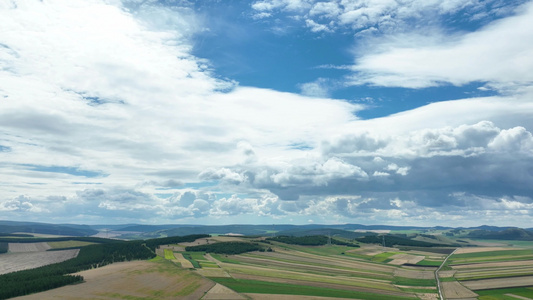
(483, 272)
(156, 279)
(28, 247)
(12, 262)
(495, 270)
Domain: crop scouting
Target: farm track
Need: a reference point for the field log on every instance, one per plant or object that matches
(12, 262)
(439, 286)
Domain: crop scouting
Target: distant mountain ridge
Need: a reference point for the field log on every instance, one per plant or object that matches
(343, 230)
(46, 228)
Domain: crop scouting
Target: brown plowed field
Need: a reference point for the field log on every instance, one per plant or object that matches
(28, 247)
(12, 262)
(495, 283)
(454, 290)
(132, 280)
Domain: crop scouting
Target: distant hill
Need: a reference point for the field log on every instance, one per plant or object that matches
(506, 234)
(43, 228)
(225, 229)
(162, 230)
(489, 228)
(299, 232)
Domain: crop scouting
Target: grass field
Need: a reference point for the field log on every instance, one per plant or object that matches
(490, 256)
(505, 294)
(384, 257)
(263, 287)
(169, 254)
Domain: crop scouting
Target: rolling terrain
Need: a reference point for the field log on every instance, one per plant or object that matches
(360, 264)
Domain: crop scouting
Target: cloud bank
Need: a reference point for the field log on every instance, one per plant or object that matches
(107, 117)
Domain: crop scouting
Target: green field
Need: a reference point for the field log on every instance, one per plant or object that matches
(263, 287)
(194, 262)
(169, 254)
(505, 294)
(491, 256)
(384, 257)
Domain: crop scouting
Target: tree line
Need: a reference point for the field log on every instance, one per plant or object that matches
(91, 256)
(4, 247)
(310, 240)
(226, 248)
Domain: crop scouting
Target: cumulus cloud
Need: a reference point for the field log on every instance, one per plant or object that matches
(113, 117)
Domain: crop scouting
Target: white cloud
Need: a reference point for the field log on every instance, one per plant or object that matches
(316, 27)
(114, 117)
(318, 88)
(516, 139)
(456, 60)
(387, 15)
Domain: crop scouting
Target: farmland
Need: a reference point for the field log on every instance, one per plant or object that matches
(12, 262)
(223, 267)
(327, 271)
(155, 279)
(484, 272)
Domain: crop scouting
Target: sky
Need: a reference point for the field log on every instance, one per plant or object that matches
(411, 112)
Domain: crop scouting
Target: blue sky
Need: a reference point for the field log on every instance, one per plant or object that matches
(276, 111)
